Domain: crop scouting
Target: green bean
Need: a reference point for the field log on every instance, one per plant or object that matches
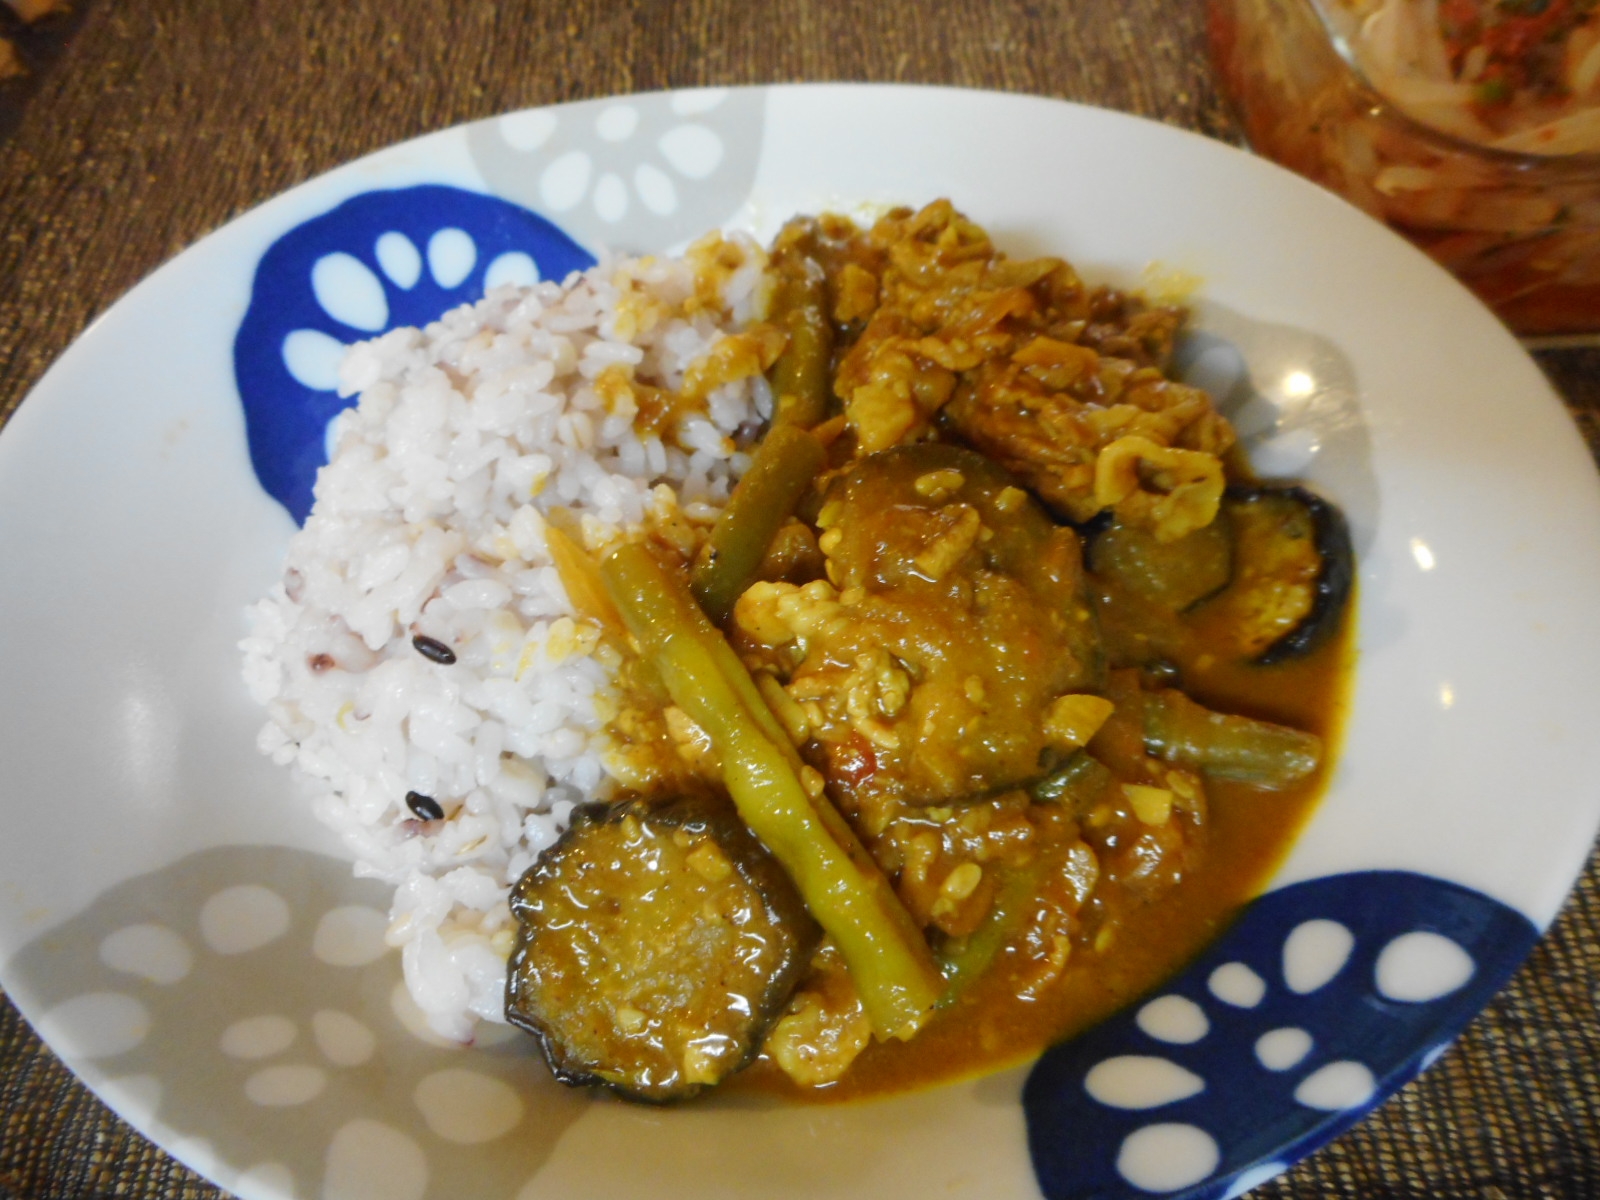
(788, 458)
(1076, 783)
(801, 377)
(1227, 747)
(965, 959)
(785, 463)
(843, 888)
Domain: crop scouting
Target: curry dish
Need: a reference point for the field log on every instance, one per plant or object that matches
(997, 688)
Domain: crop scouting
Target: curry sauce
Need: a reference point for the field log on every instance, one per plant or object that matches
(1249, 833)
(1017, 674)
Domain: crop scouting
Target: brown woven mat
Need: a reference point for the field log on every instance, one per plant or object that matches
(33, 34)
(162, 119)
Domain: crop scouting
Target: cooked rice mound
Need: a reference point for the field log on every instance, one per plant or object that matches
(615, 400)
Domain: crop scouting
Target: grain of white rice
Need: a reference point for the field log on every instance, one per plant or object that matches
(430, 520)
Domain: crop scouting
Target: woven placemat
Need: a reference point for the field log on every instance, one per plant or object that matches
(162, 119)
(33, 34)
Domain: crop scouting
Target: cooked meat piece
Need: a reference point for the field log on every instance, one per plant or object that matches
(657, 944)
(1124, 325)
(1062, 417)
(824, 1028)
(1021, 360)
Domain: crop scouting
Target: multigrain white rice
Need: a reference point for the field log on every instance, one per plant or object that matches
(430, 520)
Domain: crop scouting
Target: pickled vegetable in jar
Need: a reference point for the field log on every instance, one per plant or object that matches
(1472, 127)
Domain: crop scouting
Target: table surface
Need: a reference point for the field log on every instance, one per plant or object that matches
(147, 123)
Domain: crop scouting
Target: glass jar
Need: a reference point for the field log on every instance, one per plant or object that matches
(1521, 230)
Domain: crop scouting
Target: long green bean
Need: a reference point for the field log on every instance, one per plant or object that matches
(1225, 746)
(843, 888)
(1077, 783)
(788, 458)
(968, 958)
(784, 465)
(801, 376)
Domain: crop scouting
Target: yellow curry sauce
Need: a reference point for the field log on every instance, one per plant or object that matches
(998, 712)
(1250, 830)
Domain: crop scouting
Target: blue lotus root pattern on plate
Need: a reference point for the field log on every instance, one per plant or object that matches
(379, 261)
(1323, 999)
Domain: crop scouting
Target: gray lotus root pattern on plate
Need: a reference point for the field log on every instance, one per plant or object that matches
(244, 999)
(636, 173)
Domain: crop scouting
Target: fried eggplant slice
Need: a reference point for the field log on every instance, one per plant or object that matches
(1266, 581)
(657, 943)
(1293, 567)
(1173, 574)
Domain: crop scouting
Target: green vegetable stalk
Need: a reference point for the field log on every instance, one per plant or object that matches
(788, 458)
(966, 959)
(843, 888)
(800, 377)
(1077, 783)
(784, 465)
(1227, 747)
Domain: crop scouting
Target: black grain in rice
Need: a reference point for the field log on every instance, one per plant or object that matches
(433, 649)
(425, 807)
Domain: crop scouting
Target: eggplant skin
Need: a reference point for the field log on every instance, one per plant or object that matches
(1330, 591)
(1175, 575)
(657, 942)
(1268, 581)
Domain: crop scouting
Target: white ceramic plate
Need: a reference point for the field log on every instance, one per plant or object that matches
(172, 920)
